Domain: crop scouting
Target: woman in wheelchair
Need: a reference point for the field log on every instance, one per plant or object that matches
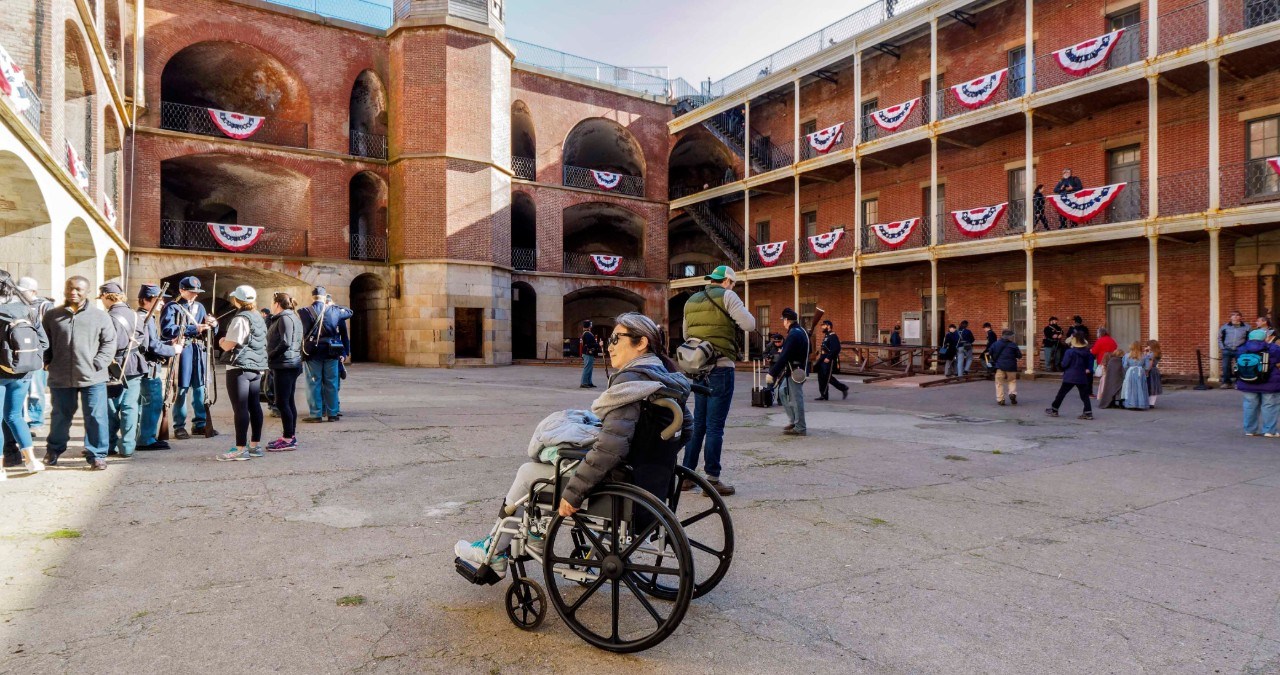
(625, 439)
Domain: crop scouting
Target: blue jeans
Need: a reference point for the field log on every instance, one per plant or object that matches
(708, 422)
(13, 399)
(122, 416)
(151, 401)
(197, 406)
(791, 396)
(1268, 405)
(65, 404)
(35, 397)
(1228, 360)
(322, 388)
(588, 365)
(965, 356)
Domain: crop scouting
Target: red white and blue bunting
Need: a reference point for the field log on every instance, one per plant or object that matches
(977, 222)
(606, 180)
(823, 244)
(770, 253)
(108, 211)
(1082, 205)
(975, 94)
(824, 139)
(895, 234)
(607, 264)
(236, 125)
(235, 237)
(1274, 163)
(76, 166)
(891, 119)
(13, 82)
(1082, 58)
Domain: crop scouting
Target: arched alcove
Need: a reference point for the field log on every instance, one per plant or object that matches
(77, 103)
(368, 328)
(80, 257)
(112, 164)
(604, 145)
(600, 304)
(25, 230)
(368, 116)
(599, 227)
(524, 231)
(367, 218)
(524, 321)
(111, 269)
(699, 161)
(524, 140)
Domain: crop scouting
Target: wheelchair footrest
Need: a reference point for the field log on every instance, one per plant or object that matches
(481, 576)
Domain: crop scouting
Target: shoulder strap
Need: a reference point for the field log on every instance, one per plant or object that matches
(723, 311)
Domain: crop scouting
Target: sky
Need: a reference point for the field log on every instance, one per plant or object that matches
(696, 39)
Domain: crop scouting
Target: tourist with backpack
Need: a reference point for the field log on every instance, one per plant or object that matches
(124, 387)
(323, 350)
(713, 318)
(82, 341)
(39, 389)
(22, 346)
(1255, 377)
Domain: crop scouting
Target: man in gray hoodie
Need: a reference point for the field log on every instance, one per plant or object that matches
(82, 341)
(1231, 337)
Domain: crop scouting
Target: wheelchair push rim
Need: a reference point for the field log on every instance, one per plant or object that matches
(703, 527)
(611, 611)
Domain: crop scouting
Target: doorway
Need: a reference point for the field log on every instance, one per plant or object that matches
(870, 320)
(1124, 165)
(524, 321)
(468, 337)
(1124, 313)
(934, 333)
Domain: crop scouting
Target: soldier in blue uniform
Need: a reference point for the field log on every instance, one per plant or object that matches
(188, 319)
(155, 352)
(827, 354)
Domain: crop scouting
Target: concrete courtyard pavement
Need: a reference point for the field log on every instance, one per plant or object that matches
(914, 530)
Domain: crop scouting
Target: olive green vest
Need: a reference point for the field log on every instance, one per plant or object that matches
(707, 322)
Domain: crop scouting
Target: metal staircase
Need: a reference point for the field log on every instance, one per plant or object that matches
(721, 229)
(765, 156)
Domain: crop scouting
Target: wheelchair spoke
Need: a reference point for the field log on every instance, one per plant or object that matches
(591, 590)
(653, 569)
(616, 503)
(657, 618)
(703, 547)
(596, 543)
(695, 518)
(640, 539)
(614, 585)
(580, 562)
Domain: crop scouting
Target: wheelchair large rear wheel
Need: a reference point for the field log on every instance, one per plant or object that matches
(628, 533)
(709, 529)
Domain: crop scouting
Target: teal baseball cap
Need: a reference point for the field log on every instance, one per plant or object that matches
(721, 273)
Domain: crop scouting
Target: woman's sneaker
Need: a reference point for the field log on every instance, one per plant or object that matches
(256, 451)
(283, 444)
(235, 455)
(473, 552)
(33, 466)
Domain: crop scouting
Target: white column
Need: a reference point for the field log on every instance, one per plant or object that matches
(795, 281)
(857, 97)
(1215, 307)
(933, 305)
(935, 229)
(795, 144)
(746, 139)
(746, 336)
(1029, 37)
(857, 303)
(1153, 286)
(1215, 199)
(795, 230)
(1029, 175)
(858, 225)
(746, 229)
(1153, 28)
(1033, 356)
(1213, 20)
(933, 71)
(1153, 144)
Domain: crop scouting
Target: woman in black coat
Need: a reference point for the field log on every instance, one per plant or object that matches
(284, 356)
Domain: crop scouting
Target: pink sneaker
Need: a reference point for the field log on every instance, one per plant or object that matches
(283, 444)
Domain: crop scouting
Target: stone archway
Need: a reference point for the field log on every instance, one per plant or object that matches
(25, 230)
(524, 321)
(368, 330)
(601, 305)
(80, 256)
(111, 270)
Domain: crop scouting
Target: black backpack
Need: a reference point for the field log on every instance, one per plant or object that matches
(19, 346)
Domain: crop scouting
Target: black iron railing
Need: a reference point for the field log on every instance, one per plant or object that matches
(368, 145)
(576, 176)
(581, 263)
(196, 236)
(525, 259)
(368, 247)
(525, 168)
(195, 120)
(689, 270)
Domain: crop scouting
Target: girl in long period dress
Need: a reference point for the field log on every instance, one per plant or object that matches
(1154, 386)
(1137, 362)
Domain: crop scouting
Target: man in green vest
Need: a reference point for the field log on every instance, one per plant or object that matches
(715, 314)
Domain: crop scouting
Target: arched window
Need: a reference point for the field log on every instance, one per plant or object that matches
(524, 232)
(368, 216)
(524, 143)
(596, 151)
(368, 117)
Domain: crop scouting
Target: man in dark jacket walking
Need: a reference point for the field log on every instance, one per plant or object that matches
(1068, 185)
(964, 348)
(1004, 358)
(155, 353)
(829, 350)
(82, 341)
(588, 347)
(1077, 373)
(793, 357)
(323, 350)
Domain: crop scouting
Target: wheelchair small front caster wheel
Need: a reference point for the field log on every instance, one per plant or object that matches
(526, 604)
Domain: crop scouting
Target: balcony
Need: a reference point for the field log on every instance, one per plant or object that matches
(1128, 206)
(757, 262)
(1010, 223)
(524, 259)
(581, 263)
(1183, 28)
(195, 120)
(986, 91)
(917, 237)
(767, 155)
(1238, 15)
(34, 109)
(602, 181)
(828, 140)
(1248, 183)
(1184, 193)
(815, 249)
(195, 236)
(1090, 57)
(368, 247)
(524, 168)
(373, 146)
(895, 119)
(689, 270)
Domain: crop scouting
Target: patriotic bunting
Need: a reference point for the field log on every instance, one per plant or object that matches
(824, 139)
(606, 180)
(891, 119)
(1274, 163)
(895, 234)
(235, 125)
(13, 82)
(823, 244)
(975, 94)
(1082, 205)
(977, 222)
(607, 264)
(770, 253)
(77, 168)
(235, 237)
(108, 210)
(1081, 59)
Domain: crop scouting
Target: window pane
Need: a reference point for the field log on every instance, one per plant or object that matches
(808, 128)
(1264, 138)
(809, 221)
(762, 232)
(871, 211)
(1017, 184)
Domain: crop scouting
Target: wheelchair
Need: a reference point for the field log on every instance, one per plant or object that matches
(654, 551)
